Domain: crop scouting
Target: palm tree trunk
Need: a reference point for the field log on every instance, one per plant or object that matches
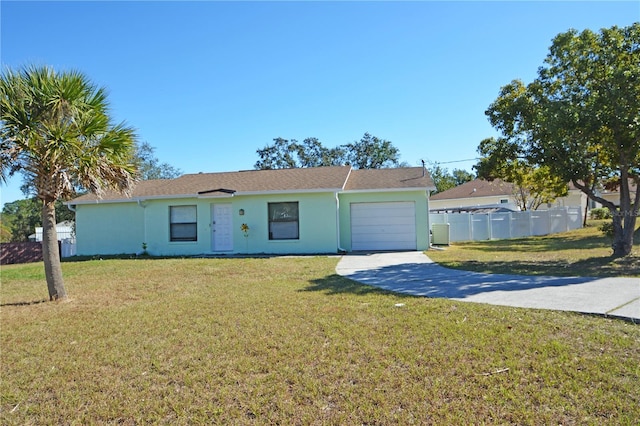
(51, 253)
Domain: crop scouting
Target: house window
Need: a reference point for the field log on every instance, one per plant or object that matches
(504, 201)
(183, 223)
(283, 221)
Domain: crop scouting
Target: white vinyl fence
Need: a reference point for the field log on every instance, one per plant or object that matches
(489, 226)
(68, 247)
(66, 237)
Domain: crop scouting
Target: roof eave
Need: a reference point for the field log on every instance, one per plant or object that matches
(353, 191)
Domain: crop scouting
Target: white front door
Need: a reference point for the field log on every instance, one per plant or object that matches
(222, 227)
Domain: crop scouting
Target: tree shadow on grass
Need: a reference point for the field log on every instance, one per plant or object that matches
(33, 302)
(591, 267)
(433, 280)
(543, 244)
(548, 243)
(335, 284)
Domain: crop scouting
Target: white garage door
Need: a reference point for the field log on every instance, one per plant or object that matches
(383, 226)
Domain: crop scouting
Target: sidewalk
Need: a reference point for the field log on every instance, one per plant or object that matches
(414, 273)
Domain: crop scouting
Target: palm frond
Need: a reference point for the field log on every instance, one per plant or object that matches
(55, 128)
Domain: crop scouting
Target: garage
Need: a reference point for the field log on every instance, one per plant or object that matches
(383, 226)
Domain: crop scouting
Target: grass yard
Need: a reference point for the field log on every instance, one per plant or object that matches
(287, 341)
(583, 252)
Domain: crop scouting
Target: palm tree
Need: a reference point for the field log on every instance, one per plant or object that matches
(55, 129)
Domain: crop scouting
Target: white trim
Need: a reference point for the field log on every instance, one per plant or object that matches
(198, 196)
(347, 179)
(295, 191)
(356, 191)
(247, 193)
(132, 199)
(205, 197)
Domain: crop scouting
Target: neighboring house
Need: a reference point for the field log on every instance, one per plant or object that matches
(478, 193)
(483, 194)
(614, 195)
(63, 229)
(304, 210)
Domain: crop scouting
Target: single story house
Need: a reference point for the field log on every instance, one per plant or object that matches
(475, 193)
(285, 211)
(480, 193)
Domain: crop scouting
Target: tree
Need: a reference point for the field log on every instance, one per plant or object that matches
(5, 232)
(149, 167)
(19, 218)
(311, 153)
(369, 152)
(533, 185)
(441, 177)
(579, 118)
(277, 156)
(444, 180)
(22, 217)
(55, 129)
(285, 154)
(462, 176)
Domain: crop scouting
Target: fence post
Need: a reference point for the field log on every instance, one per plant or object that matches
(489, 219)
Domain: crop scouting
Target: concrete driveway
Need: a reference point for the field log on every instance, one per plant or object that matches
(414, 273)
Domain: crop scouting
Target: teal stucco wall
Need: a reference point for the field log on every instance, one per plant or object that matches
(109, 228)
(122, 228)
(119, 228)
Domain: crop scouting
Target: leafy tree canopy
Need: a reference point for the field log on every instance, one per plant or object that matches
(149, 167)
(288, 154)
(444, 180)
(580, 119)
(21, 217)
(533, 185)
(370, 152)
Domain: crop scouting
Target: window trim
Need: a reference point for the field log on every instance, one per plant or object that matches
(270, 221)
(193, 238)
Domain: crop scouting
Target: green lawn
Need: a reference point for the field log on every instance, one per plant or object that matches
(287, 341)
(582, 252)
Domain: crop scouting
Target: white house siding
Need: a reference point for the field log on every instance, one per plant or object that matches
(470, 202)
(574, 198)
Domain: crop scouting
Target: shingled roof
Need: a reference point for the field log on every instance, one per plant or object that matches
(475, 189)
(398, 178)
(313, 179)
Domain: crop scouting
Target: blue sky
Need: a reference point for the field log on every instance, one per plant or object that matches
(209, 83)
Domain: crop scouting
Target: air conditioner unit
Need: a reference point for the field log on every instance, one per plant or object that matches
(440, 234)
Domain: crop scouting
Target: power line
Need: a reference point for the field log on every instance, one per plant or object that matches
(458, 161)
(449, 162)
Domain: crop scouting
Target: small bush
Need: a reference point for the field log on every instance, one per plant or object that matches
(607, 229)
(600, 213)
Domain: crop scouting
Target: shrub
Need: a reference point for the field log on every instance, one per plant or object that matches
(607, 229)
(600, 213)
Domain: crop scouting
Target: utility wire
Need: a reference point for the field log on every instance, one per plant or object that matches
(457, 161)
